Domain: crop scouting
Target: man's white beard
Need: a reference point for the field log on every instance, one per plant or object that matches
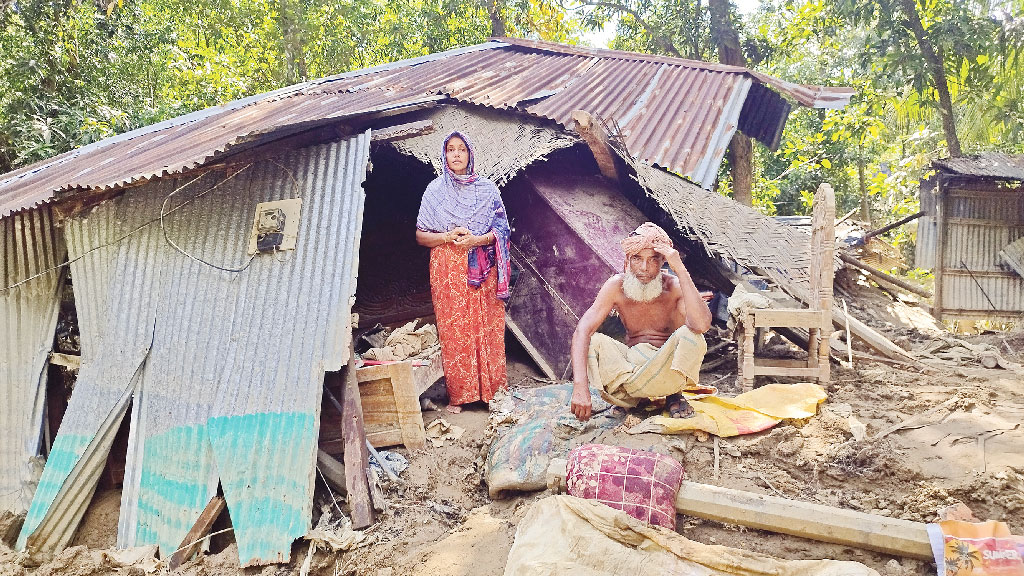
(638, 291)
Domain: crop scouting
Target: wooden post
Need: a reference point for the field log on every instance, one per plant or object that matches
(356, 458)
(747, 360)
(941, 226)
(194, 539)
(597, 140)
(804, 519)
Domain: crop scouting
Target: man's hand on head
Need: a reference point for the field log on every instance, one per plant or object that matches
(581, 404)
(671, 256)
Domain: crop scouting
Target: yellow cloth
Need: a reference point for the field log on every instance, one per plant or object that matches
(625, 374)
(747, 413)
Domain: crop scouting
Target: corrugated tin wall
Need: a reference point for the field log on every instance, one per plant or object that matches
(982, 219)
(116, 274)
(231, 387)
(29, 245)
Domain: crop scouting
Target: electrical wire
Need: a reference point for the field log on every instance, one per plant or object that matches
(167, 238)
(125, 236)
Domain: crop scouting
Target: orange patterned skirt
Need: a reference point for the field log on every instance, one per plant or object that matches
(471, 326)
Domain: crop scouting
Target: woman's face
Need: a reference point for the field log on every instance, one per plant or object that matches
(456, 155)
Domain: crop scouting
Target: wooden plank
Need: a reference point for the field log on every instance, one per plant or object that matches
(768, 318)
(194, 539)
(885, 277)
(332, 470)
(805, 371)
(356, 459)
(407, 402)
(779, 363)
(596, 137)
(531, 350)
(403, 131)
(870, 336)
(390, 403)
(426, 376)
(71, 361)
(805, 519)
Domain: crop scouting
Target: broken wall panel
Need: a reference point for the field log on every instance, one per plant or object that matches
(566, 235)
(114, 262)
(232, 388)
(29, 245)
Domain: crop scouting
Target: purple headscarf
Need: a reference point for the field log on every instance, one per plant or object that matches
(469, 200)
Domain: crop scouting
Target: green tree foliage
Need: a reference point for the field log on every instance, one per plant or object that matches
(73, 72)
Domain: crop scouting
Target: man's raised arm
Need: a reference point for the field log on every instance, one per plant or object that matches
(695, 310)
(585, 329)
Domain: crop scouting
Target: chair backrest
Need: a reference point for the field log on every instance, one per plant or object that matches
(823, 238)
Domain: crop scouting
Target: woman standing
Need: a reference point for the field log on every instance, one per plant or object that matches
(462, 220)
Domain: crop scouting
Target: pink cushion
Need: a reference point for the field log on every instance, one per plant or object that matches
(640, 483)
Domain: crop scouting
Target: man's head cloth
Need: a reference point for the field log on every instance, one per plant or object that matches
(647, 235)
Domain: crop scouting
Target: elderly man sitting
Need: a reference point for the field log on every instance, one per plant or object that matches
(665, 319)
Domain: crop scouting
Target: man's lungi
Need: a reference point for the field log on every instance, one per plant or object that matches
(625, 374)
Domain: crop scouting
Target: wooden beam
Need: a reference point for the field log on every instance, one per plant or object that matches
(597, 140)
(194, 539)
(402, 131)
(531, 350)
(885, 277)
(332, 470)
(356, 458)
(71, 361)
(805, 519)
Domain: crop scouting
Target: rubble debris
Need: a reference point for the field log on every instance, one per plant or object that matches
(808, 520)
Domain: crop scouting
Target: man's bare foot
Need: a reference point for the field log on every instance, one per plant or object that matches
(453, 409)
(679, 408)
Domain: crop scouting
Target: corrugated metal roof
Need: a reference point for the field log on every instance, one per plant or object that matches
(676, 113)
(230, 388)
(985, 165)
(29, 244)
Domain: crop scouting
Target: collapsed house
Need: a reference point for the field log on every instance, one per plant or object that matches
(217, 259)
(972, 236)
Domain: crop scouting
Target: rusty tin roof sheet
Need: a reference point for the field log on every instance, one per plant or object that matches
(676, 113)
(985, 165)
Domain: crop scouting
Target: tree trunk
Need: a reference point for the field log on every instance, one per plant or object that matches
(865, 207)
(497, 22)
(291, 35)
(729, 52)
(935, 64)
(741, 155)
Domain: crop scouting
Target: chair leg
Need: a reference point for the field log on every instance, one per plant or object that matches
(747, 372)
(812, 347)
(824, 368)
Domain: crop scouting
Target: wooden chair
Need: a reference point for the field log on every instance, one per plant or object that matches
(816, 318)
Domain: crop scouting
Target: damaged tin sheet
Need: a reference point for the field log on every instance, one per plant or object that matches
(30, 247)
(676, 113)
(231, 385)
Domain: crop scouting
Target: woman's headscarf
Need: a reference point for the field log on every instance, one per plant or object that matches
(468, 200)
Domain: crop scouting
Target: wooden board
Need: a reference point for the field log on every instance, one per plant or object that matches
(391, 405)
(771, 318)
(356, 459)
(804, 519)
(194, 539)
